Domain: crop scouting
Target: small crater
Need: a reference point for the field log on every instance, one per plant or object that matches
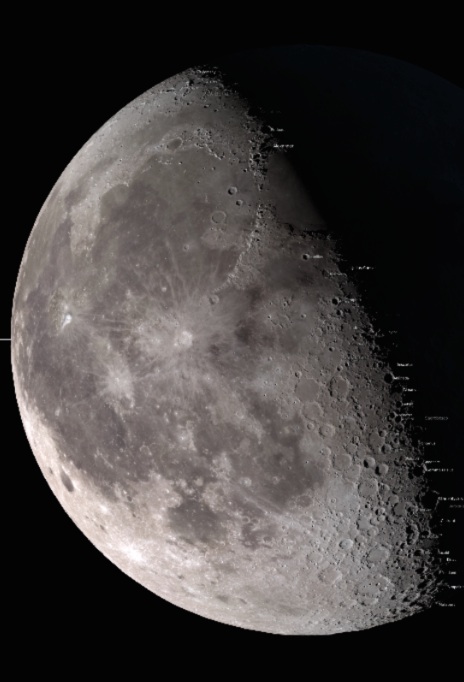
(307, 390)
(378, 555)
(369, 462)
(174, 144)
(218, 217)
(327, 430)
(346, 543)
(68, 484)
(399, 509)
(67, 319)
(368, 601)
(313, 411)
(232, 190)
(338, 388)
(368, 488)
(329, 575)
(342, 462)
(223, 598)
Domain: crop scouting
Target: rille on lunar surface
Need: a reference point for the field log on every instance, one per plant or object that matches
(201, 385)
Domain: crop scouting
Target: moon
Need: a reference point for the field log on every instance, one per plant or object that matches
(202, 384)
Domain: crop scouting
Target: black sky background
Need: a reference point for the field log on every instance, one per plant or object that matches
(65, 592)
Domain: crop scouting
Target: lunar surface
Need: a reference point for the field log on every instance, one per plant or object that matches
(202, 387)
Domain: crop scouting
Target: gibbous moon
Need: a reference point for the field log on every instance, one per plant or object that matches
(201, 384)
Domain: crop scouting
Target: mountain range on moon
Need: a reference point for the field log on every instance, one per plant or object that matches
(200, 373)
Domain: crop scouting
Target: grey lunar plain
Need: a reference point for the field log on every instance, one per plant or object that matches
(200, 384)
